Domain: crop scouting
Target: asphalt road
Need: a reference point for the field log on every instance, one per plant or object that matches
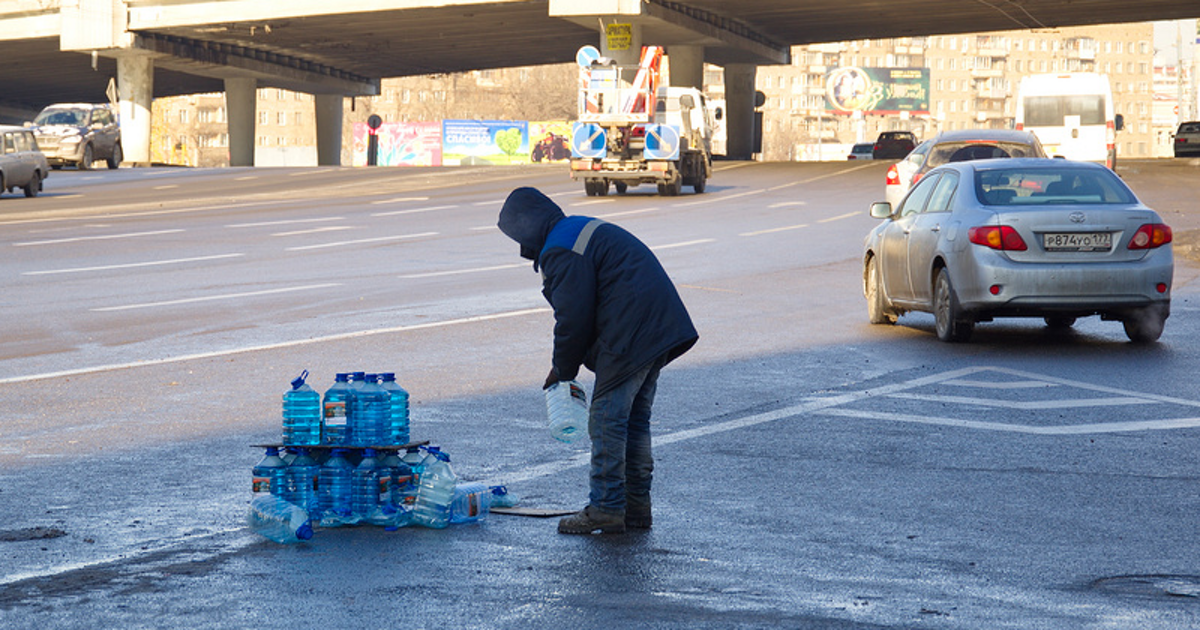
(812, 470)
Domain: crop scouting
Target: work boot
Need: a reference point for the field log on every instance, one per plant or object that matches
(637, 512)
(591, 519)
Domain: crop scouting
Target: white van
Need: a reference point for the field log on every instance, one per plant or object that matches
(1071, 114)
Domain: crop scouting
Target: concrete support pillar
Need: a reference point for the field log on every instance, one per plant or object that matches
(739, 110)
(135, 88)
(329, 129)
(241, 102)
(686, 64)
(623, 43)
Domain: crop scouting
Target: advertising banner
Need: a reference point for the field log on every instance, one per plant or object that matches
(877, 90)
(470, 142)
(401, 144)
(551, 141)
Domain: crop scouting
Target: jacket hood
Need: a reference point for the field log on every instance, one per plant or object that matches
(527, 218)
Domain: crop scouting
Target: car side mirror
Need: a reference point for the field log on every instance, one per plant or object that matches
(881, 210)
(1119, 122)
(720, 113)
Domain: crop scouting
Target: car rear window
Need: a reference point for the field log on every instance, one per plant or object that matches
(1050, 186)
(977, 150)
(1189, 128)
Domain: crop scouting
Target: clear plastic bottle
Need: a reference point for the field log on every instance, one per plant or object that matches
(368, 414)
(333, 490)
(267, 475)
(300, 479)
(567, 410)
(279, 520)
(397, 422)
(301, 413)
(335, 410)
(435, 491)
(408, 491)
(471, 503)
(364, 489)
(501, 497)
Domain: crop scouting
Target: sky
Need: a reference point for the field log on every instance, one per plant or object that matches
(1166, 39)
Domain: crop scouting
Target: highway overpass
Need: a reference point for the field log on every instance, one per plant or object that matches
(68, 50)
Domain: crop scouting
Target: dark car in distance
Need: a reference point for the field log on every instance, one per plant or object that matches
(893, 145)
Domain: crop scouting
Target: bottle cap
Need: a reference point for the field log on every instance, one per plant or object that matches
(305, 531)
(387, 376)
(300, 380)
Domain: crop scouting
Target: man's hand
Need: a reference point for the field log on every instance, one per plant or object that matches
(551, 379)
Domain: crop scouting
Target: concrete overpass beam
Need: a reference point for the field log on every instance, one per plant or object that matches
(686, 64)
(621, 39)
(241, 101)
(739, 110)
(329, 129)
(135, 87)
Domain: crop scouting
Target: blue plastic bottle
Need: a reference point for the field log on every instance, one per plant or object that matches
(301, 413)
(397, 424)
(471, 502)
(279, 520)
(368, 414)
(436, 490)
(501, 497)
(364, 487)
(267, 475)
(300, 478)
(335, 410)
(333, 490)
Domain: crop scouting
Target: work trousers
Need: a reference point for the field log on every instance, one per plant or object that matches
(619, 426)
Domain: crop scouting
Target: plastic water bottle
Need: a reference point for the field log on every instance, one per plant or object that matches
(567, 410)
(279, 520)
(364, 487)
(435, 491)
(301, 413)
(267, 475)
(397, 424)
(335, 410)
(408, 491)
(333, 490)
(300, 479)
(368, 414)
(502, 498)
(471, 502)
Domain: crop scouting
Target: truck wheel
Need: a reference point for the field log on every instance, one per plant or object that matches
(699, 185)
(601, 187)
(621, 187)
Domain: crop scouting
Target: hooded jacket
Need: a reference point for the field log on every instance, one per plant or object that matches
(615, 309)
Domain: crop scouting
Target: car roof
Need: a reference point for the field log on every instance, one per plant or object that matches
(1011, 135)
(76, 105)
(1019, 163)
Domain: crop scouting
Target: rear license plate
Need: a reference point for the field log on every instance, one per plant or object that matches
(1077, 242)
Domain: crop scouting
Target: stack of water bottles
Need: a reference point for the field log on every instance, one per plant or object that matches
(346, 459)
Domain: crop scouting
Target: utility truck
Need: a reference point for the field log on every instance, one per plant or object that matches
(631, 130)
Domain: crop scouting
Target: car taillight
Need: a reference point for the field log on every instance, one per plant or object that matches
(1020, 126)
(1001, 237)
(1150, 236)
(916, 178)
(893, 176)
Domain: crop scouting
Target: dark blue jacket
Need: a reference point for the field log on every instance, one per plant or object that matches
(615, 309)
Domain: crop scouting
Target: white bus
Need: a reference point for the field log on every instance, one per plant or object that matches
(1071, 114)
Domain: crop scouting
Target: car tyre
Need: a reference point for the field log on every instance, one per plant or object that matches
(85, 163)
(878, 310)
(114, 160)
(950, 322)
(698, 187)
(1145, 325)
(1059, 322)
(621, 187)
(34, 186)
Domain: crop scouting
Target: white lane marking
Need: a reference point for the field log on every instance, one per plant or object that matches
(720, 198)
(1000, 385)
(98, 237)
(435, 274)
(275, 346)
(485, 228)
(773, 230)
(284, 222)
(166, 187)
(411, 211)
(152, 263)
(786, 204)
(245, 178)
(591, 202)
(328, 228)
(625, 213)
(307, 173)
(701, 241)
(496, 202)
(818, 178)
(838, 217)
(1069, 429)
(380, 239)
(1025, 404)
(398, 200)
(213, 298)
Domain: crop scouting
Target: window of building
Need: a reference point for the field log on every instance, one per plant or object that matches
(183, 116)
(281, 117)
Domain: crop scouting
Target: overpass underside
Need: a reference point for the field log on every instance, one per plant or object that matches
(67, 50)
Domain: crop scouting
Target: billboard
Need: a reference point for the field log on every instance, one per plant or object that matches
(401, 144)
(877, 90)
(485, 142)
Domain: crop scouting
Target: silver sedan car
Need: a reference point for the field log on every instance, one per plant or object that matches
(1020, 238)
